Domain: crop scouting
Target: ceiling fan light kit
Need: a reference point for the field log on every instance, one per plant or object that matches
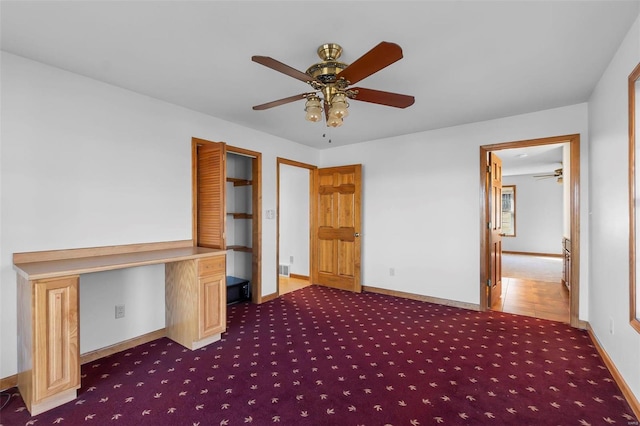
(313, 107)
(331, 79)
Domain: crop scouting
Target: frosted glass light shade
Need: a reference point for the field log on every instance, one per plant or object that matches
(313, 107)
(314, 114)
(334, 121)
(339, 106)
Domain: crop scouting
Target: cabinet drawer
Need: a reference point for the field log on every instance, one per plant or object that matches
(214, 265)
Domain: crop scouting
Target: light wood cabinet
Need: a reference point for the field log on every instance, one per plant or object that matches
(213, 295)
(212, 306)
(51, 370)
(195, 301)
(48, 338)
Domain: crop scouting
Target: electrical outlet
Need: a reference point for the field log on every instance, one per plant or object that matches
(291, 260)
(610, 325)
(119, 311)
(392, 271)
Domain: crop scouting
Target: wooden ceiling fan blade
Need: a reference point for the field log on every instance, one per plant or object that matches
(383, 98)
(280, 67)
(281, 101)
(381, 56)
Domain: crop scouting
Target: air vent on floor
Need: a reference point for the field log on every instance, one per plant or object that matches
(283, 270)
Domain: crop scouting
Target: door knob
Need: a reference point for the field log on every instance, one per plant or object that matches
(357, 234)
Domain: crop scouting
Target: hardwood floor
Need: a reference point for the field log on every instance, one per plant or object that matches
(548, 299)
(288, 284)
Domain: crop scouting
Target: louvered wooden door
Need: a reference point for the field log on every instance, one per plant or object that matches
(209, 197)
(336, 227)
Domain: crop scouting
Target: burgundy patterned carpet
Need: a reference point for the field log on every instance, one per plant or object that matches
(320, 356)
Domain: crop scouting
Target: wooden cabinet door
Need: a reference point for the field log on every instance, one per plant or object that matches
(55, 341)
(212, 305)
(335, 254)
(209, 181)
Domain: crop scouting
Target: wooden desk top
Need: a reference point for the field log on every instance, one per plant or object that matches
(106, 262)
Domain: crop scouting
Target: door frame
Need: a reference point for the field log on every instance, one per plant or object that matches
(574, 217)
(310, 168)
(256, 200)
(256, 220)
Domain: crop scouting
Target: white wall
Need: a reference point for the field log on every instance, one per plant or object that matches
(421, 202)
(87, 164)
(294, 218)
(608, 126)
(539, 215)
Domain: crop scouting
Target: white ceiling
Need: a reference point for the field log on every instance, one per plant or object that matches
(532, 160)
(464, 61)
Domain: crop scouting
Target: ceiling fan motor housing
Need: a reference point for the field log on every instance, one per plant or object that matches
(327, 70)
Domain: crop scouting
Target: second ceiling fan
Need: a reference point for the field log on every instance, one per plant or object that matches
(331, 81)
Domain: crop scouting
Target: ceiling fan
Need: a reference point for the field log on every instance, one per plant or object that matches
(557, 173)
(331, 79)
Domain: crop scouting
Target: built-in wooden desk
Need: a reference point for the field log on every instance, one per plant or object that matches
(48, 339)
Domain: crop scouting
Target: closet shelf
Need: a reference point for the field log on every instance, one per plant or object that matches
(240, 215)
(240, 248)
(239, 182)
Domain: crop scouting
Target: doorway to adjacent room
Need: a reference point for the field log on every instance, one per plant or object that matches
(491, 258)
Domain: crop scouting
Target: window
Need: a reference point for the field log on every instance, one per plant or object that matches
(508, 211)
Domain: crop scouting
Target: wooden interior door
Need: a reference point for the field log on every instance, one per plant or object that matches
(495, 227)
(209, 175)
(336, 208)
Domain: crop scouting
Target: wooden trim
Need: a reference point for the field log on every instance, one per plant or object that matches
(8, 382)
(194, 189)
(122, 346)
(268, 298)
(311, 168)
(243, 151)
(624, 388)
(12, 381)
(45, 256)
(633, 314)
(484, 229)
(294, 163)
(529, 253)
(574, 212)
(412, 296)
(299, 277)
